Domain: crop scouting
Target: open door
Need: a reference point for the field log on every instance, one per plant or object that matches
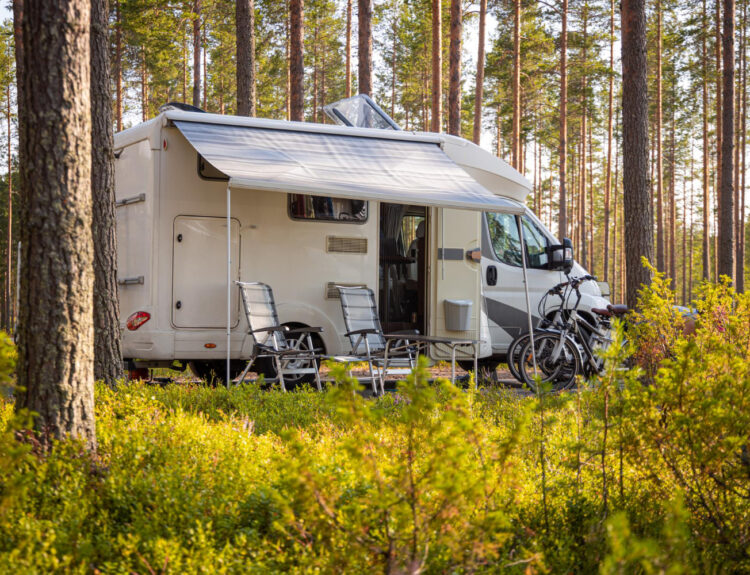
(454, 276)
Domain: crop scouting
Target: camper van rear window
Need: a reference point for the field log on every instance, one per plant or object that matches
(324, 208)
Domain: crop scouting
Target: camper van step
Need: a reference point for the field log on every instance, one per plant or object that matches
(131, 200)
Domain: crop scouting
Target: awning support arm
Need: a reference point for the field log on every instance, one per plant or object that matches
(229, 284)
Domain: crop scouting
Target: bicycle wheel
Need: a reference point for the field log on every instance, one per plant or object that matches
(514, 352)
(555, 365)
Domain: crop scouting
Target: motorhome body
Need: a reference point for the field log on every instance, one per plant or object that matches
(173, 232)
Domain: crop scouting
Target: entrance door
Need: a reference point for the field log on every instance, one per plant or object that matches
(403, 267)
(454, 276)
(199, 272)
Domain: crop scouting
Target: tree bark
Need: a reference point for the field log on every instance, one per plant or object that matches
(348, 74)
(107, 352)
(117, 72)
(454, 72)
(296, 60)
(563, 151)
(479, 88)
(364, 56)
(437, 66)
(56, 327)
(636, 197)
(726, 251)
(245, 17)
(197, 53)
(516, 86)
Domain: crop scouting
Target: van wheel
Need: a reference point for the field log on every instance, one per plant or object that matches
(487, 369)
(214, 372)
(267, 367)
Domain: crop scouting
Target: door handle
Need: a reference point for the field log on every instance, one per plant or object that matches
(491, 275)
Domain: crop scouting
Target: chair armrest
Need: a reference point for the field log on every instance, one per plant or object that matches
(305, 330)
(270, 328)
(362, 331)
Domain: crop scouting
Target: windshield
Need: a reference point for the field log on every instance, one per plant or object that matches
(360, 112)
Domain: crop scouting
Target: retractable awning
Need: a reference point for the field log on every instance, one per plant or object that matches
(343, 166)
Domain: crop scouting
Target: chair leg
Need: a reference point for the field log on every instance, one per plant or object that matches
(279, 372)
(317, 375)
(247, 368)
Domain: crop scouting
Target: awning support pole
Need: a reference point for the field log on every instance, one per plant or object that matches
(526, 291)
(229, 283)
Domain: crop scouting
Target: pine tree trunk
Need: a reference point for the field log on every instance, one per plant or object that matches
(516, 86)
(107, 352)
(726, 246)
(743, 132)
(245, 21)
(144, 85)
(56, 327)
(563, 151)
(672, 239)
(364, 54)
(454, 72)
(394, 61)
(706, 259)
(719, 135)
(197, 53)
(479, 89)
(636, 198)
(348, 75)
(610, 109)
(660, 264)
(437, 66)
(296, 60)
(205, 66)
(117, 72)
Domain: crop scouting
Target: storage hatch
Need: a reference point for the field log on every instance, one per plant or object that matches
(199, 272)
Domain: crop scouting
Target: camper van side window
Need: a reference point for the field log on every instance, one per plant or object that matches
(324, 208)
(504, 235)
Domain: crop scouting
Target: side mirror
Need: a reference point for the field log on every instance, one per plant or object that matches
(561, 256)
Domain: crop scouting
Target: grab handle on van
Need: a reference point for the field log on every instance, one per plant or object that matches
(491, 275)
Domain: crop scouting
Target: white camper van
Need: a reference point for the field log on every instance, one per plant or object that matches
(304, 208)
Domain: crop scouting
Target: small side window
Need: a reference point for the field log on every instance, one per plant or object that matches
(325, 208)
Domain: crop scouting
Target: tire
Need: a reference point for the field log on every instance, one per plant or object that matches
(514, 352)
(214, 372)
(560, 373)
(267, 366)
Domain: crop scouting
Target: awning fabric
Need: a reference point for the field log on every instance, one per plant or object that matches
(343, 166)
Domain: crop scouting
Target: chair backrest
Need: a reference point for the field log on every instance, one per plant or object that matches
(260, 310)
(361, 312)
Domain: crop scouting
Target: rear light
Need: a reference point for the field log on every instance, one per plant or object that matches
(137, 319)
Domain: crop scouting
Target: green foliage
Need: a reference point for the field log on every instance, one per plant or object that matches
(620, 476)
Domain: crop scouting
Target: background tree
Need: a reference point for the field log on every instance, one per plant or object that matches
(245, 15)
(364, 54)
(726, 247)
(454, 75)
(637, 203)
(296, 59)
(56, 328)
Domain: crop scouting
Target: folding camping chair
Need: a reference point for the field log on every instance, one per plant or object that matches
(367, 339)
(275, 341)
(382, 351)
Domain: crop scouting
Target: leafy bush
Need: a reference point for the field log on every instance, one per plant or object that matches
(637, 471)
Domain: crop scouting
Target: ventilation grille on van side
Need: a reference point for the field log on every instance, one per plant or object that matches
(342, 245)
(333, 293)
